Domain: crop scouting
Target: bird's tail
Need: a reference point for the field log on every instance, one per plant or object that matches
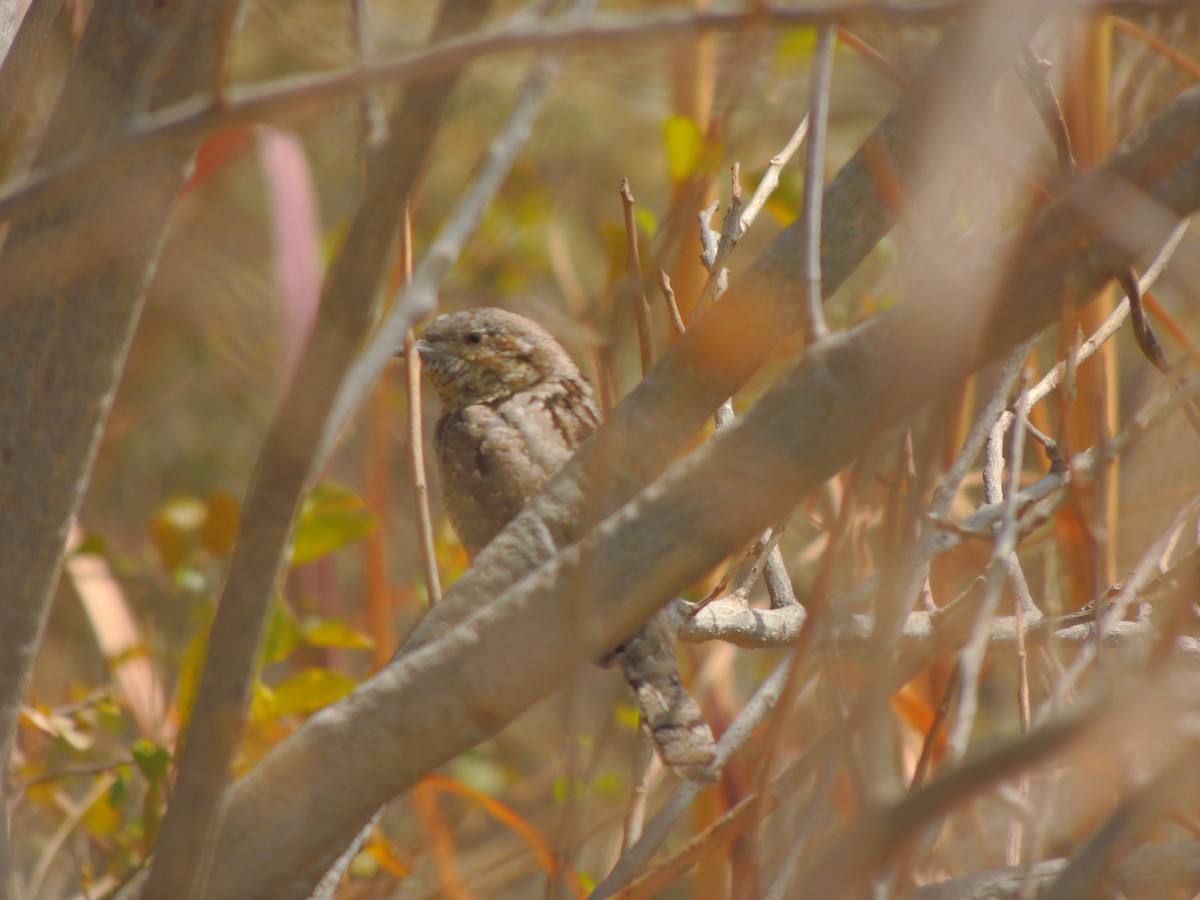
(668, 712)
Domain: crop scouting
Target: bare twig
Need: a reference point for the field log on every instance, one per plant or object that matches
(1142, 332)
(935, 729)
(802, 832)
(814, 182)
(880, 833)
(659, 827)
(710, 238)
(664, 282)
(1115, 611)
(1035, 73)
(416, 459)
(633, 267)
(770, 178)
(416, 440)
(639, 790)
(1054, 377)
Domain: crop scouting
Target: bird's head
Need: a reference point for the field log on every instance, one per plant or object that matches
(484, 355)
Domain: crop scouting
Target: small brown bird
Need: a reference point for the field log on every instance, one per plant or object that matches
(514, 410)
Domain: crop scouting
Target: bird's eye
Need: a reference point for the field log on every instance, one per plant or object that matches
(475, 337)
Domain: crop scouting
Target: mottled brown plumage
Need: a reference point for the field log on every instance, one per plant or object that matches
(514, 410)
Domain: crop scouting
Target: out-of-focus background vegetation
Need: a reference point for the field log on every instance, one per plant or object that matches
(239, 273)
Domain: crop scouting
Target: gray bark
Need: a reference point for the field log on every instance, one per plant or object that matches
(74, 277)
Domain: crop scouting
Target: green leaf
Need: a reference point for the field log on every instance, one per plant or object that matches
(333, 633)
(152, 760)
(118, 793)
(283, 634)
(332, 516)
(310, 690)
(682, 140)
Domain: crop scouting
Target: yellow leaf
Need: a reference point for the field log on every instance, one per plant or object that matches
(333, 633)
(331, 517)
(384, 854)
(262, 703)
(682, 140)
(308, 691)
(102, 817)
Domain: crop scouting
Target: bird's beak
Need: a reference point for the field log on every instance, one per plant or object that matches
(428, 351)
(424, 350)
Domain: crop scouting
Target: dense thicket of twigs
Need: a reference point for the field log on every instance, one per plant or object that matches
(892, 309)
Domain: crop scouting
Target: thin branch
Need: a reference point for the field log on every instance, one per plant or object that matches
(770, 178)
(639, 790)
(970, 659)
(1184, 63)
(658, 828)
(880, 833)
(1116, 319)
(717, 247)
(416, 437)
(633, 267)
(664, 282)
(416, 461)
(814, 182)
(1035, 73)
